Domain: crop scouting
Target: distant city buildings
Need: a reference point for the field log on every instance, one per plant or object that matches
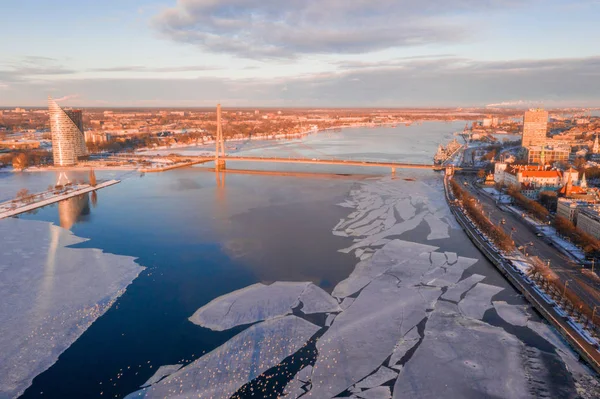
(535, 126)
(68, 141)
(542, 155)
(96, 137)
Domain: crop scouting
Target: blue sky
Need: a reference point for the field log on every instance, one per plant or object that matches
(301, 52)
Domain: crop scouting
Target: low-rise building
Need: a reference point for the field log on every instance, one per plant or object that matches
(20, 144)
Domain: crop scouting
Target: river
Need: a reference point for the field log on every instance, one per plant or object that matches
(385, 248)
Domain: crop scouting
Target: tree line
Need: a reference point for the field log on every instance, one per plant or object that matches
(469, 203)
(589, 244)
(534, 207)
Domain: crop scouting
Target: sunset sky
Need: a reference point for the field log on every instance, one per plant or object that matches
(301, 53)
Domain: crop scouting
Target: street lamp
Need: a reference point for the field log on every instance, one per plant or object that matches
(565, 289)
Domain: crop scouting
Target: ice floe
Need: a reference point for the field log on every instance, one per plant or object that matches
(478, 300)
(262, 302)
(438, 228)
(220, 373)
(365, 334)
(463, 358)
(380, 377)
(513, 314)
(406, 343)
(376, 393)
(161, 373)
(315, 300)
(455, 293)
(50, 295)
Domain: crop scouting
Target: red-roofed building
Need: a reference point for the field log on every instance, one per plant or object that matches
(534, 179)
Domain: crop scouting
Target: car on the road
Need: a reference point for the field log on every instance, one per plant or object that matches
(539, 234)
(503, 221)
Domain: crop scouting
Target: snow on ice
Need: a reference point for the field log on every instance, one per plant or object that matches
(262, 302)
(161, 373)
(220, 373)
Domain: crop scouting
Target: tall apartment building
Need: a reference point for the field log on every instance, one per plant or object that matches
(68, 141)
(535, 126)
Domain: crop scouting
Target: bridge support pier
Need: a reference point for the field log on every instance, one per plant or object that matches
(220, 164)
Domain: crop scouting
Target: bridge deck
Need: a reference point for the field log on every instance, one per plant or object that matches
(314, 161)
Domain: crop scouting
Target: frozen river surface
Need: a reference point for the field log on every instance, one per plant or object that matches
(269, 287)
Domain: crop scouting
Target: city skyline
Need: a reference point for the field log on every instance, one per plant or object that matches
(327, 53)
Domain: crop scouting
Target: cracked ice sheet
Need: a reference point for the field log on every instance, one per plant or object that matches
(405, 209)
(376, 393)
(315, 300)
(396, 230)
(162, 372)
(478, 300)
(455, 292)
(261, 302)
(405, 344)
(513, 314)
(364, 335)
(50, 295)
(401, 256)
(380, 377)
(220, 373)
(463, 358)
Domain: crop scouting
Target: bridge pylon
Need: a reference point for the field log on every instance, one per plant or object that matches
(219, 143)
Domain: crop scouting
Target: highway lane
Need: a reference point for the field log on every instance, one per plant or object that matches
(563, 266)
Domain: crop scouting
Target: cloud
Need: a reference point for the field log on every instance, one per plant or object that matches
(414, 83)
(139, 68)
(66, 98)
(284, 29)
(31, 66)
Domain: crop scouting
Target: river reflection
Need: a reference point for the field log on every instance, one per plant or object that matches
(75, 209)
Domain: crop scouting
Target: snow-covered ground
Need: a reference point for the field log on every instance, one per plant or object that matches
(48, 197)
(409, 323)
(50, 294)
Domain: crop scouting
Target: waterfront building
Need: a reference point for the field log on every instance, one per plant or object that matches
(542, 155)
(68, 142)
(535, 126)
